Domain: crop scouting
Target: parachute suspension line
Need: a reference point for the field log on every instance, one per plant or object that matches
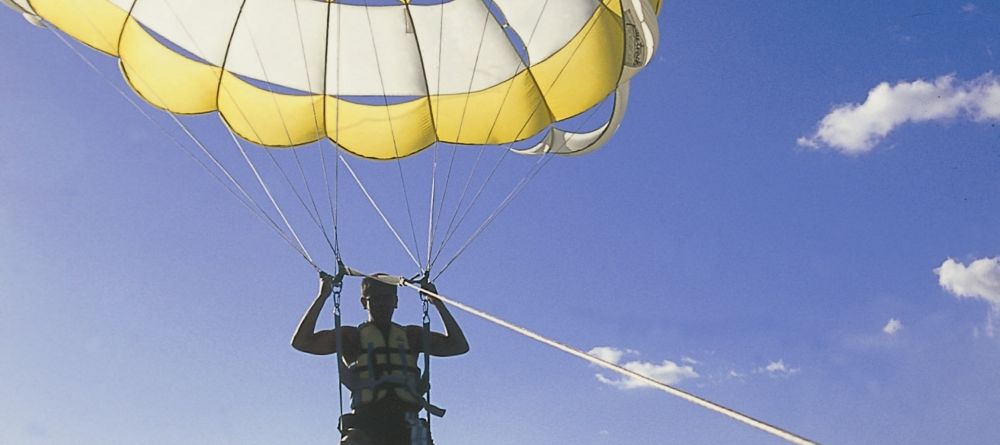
(496, 212)
(436, 218)
(267, 191)
(284, 125)
(332, 197)
(543, 160)
(531, 172)
(426, 339)
(335, 199)
(729, 412)
(461, 127)
(503, 102)
(392, 132)
(246, 200)
(338, 286)
(411, 29)
(430, 217)
(377, 209)
(472, 202)
(335, 244)
(458, 207)
(313, 213)
(432, 220)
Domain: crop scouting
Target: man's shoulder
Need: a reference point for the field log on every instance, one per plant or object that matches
(412, 328)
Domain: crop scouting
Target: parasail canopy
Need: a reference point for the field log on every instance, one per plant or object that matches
(382, 79)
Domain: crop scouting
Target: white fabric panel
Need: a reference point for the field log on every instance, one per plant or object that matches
(475, 54)
(641, 16)
(546, 26)
(21, 6)
(124, 4)
(570, 143)
(363, 33)
(282, 42)
(200, 27)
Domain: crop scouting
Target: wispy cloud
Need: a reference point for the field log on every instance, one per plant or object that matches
(969, 8)
(665, 371)
(854, 129)
(979, 280)
(778, 369)
(893, 326)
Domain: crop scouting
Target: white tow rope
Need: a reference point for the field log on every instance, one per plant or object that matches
(731, 413)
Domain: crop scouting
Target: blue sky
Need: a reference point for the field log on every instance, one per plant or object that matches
(789, 179)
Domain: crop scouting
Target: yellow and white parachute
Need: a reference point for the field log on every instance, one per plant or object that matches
(288, 72)
(381, 79)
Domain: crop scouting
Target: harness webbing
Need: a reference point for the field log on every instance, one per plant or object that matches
(426, 379)
(337, 287)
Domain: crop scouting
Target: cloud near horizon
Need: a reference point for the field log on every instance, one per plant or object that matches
(855, 129)
(666, 371)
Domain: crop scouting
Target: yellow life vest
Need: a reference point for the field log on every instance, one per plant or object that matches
(384, 365)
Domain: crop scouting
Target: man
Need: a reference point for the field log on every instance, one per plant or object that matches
(381, 361)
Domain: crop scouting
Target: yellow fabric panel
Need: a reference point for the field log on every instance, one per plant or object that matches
(615, 6)
(586, 70)
(656, 5)
(271, 119)
(96, 23)
(504, 113)
(164, 78)
(379, 131)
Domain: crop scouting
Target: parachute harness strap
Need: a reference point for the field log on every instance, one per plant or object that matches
(338, 286)
(426, 379)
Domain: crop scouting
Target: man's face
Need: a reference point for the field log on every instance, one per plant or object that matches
(380, 302)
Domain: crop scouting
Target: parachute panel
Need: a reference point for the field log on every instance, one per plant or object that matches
(383, 81)
(269, 118)
(464, 48)
(163, 77)
(586, 70)
(507, 112)
(96, 23)
(201, 28)
(380, 131)
(546, 27)
(282, 43)
(372, 52)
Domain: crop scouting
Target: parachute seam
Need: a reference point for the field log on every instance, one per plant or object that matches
(430, 112)
(423, 69)
(392, 131)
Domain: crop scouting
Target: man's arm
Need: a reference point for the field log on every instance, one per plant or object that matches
(307, 339)
(453, 341)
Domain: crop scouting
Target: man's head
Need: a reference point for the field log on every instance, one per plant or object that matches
(379, 298)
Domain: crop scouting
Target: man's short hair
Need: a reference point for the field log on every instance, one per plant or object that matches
(372, 282)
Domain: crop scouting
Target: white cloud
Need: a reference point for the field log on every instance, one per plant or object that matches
(666, 371)
(969, 8)
(609, 354)
(778, 369)
(854, 129)
(893, 326)
(979, 280)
